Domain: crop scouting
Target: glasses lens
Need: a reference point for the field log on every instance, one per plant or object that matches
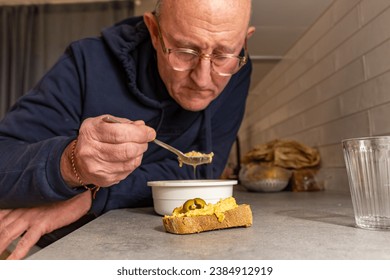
(183, 60)
(226, 65)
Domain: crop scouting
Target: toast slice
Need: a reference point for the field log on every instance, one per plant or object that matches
(240, 216)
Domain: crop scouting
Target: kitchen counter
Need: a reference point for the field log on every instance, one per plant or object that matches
(286, 225)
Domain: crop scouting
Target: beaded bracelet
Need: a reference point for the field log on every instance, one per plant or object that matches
(93, 189)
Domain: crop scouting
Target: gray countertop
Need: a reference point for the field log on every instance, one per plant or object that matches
(286, 225)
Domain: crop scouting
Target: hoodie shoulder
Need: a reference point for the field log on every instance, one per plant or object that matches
(126, 35)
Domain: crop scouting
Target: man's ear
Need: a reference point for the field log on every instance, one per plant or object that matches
(250, 32)
(151, 24)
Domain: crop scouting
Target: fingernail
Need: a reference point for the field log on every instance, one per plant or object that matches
(151, 134)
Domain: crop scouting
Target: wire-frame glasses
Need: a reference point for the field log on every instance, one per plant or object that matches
(183, 59)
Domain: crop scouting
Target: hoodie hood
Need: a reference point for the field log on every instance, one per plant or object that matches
(129, 41)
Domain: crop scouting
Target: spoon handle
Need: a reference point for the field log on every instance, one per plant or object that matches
(168, 147)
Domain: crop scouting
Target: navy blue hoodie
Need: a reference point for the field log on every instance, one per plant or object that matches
(113, 74)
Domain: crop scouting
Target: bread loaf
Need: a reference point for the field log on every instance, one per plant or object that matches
(240, 216)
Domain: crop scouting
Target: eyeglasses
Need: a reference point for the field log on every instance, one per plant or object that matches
(183, 59)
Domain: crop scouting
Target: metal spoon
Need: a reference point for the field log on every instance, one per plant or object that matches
(193, 160)
(185, 158)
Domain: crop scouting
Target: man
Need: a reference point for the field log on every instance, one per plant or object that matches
(180, 74)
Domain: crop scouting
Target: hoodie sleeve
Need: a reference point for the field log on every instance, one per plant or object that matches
(33, 136)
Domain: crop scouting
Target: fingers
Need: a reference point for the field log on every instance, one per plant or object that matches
(5, 239)
(11, 227)
(110, 148)
(106, 164)
(37, 221)
(112, 119)
(115, 152)
(109, 174)
(122, 131)
(25, 244)
(3, 213)
(126, 132)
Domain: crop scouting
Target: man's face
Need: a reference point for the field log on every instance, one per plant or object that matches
(209, 28)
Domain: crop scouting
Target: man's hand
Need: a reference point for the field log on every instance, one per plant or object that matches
(106, 153)
(38, 221)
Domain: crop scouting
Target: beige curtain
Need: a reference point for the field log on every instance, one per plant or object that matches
(32, 37)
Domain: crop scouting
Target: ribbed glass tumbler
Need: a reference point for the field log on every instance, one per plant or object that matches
(368, 167)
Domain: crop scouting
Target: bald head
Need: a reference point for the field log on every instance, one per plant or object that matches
(232, 9)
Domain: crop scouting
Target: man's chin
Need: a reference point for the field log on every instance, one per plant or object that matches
(195, 106)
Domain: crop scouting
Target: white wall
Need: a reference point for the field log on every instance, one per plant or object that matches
(334, 83)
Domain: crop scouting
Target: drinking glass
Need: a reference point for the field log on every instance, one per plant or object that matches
(368, 167)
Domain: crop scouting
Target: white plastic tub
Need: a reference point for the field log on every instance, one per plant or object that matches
(167, 195)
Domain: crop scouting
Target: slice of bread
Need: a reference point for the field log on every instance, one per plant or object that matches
(240, 216)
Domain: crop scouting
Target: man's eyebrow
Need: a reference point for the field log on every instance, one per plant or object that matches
(224, 49)
(182, 43)
(219, 49)
(179, 42)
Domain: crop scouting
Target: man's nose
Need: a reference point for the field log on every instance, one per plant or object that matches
(201, 74)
